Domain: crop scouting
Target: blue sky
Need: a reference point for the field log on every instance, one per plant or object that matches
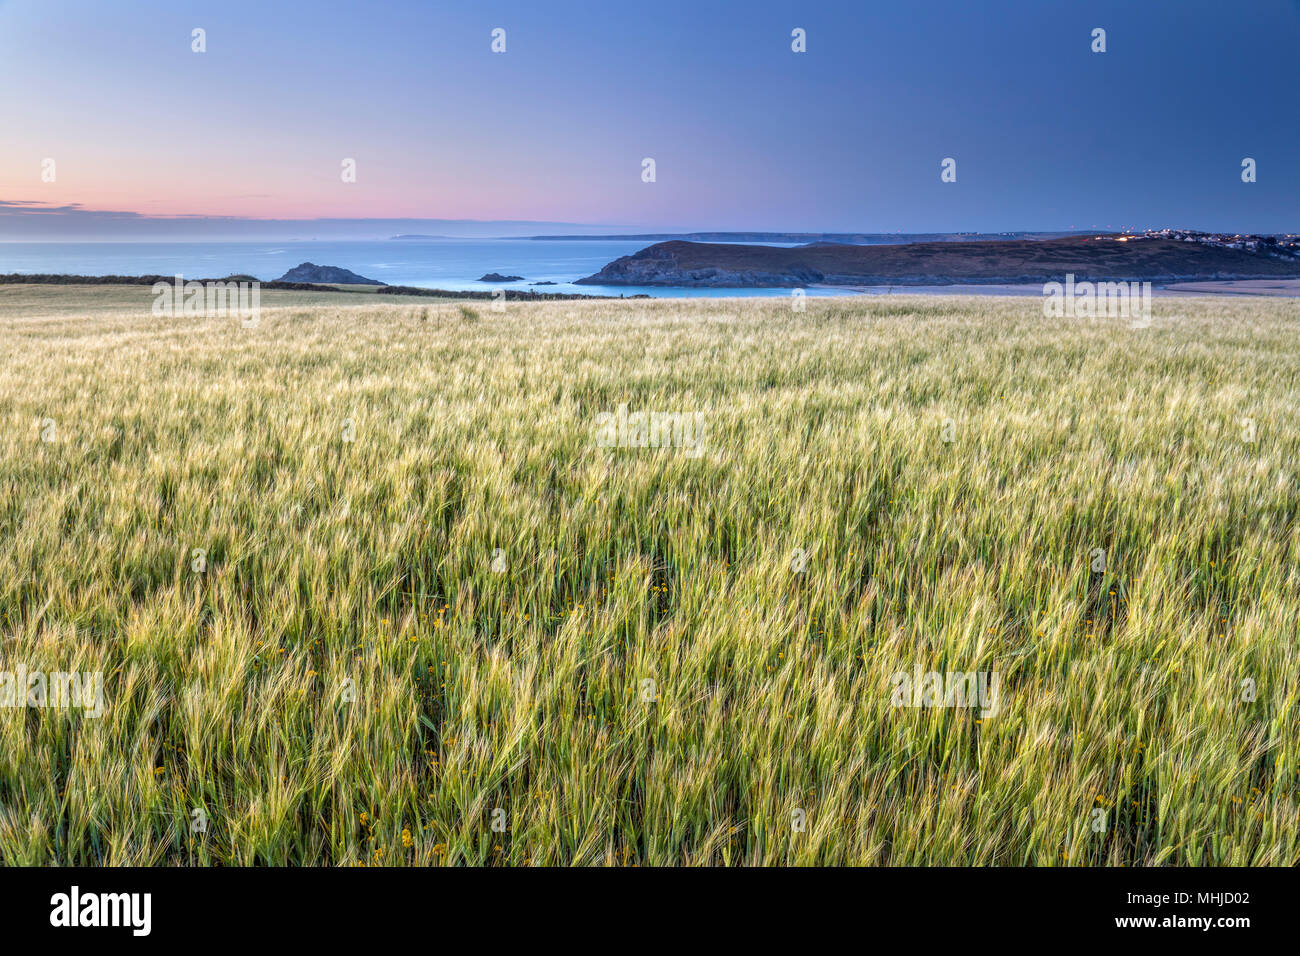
(745, 133)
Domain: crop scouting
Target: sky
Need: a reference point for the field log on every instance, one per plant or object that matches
(150, 138)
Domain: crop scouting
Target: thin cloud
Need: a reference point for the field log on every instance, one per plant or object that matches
(36, 207)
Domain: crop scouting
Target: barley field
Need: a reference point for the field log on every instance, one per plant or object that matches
(364, 588)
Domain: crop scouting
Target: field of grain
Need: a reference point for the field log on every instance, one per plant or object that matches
(364, 587)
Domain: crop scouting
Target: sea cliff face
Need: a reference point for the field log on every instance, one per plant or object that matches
(1093, 258)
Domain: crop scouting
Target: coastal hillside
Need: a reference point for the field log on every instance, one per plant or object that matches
(1098, 258)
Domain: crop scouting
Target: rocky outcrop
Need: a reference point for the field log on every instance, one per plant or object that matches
(498, 277)
(326, 275)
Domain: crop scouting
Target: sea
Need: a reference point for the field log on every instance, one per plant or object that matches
(452, 264)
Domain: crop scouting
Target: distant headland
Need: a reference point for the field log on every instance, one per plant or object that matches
(1163, 256)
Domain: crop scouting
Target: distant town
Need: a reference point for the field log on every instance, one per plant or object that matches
(1287, 246)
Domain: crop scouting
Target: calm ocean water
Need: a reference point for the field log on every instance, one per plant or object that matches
(454, 264)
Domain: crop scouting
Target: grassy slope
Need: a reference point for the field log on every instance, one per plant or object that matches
(371, 561)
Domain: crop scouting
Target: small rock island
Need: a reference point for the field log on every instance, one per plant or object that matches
(332, 275)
